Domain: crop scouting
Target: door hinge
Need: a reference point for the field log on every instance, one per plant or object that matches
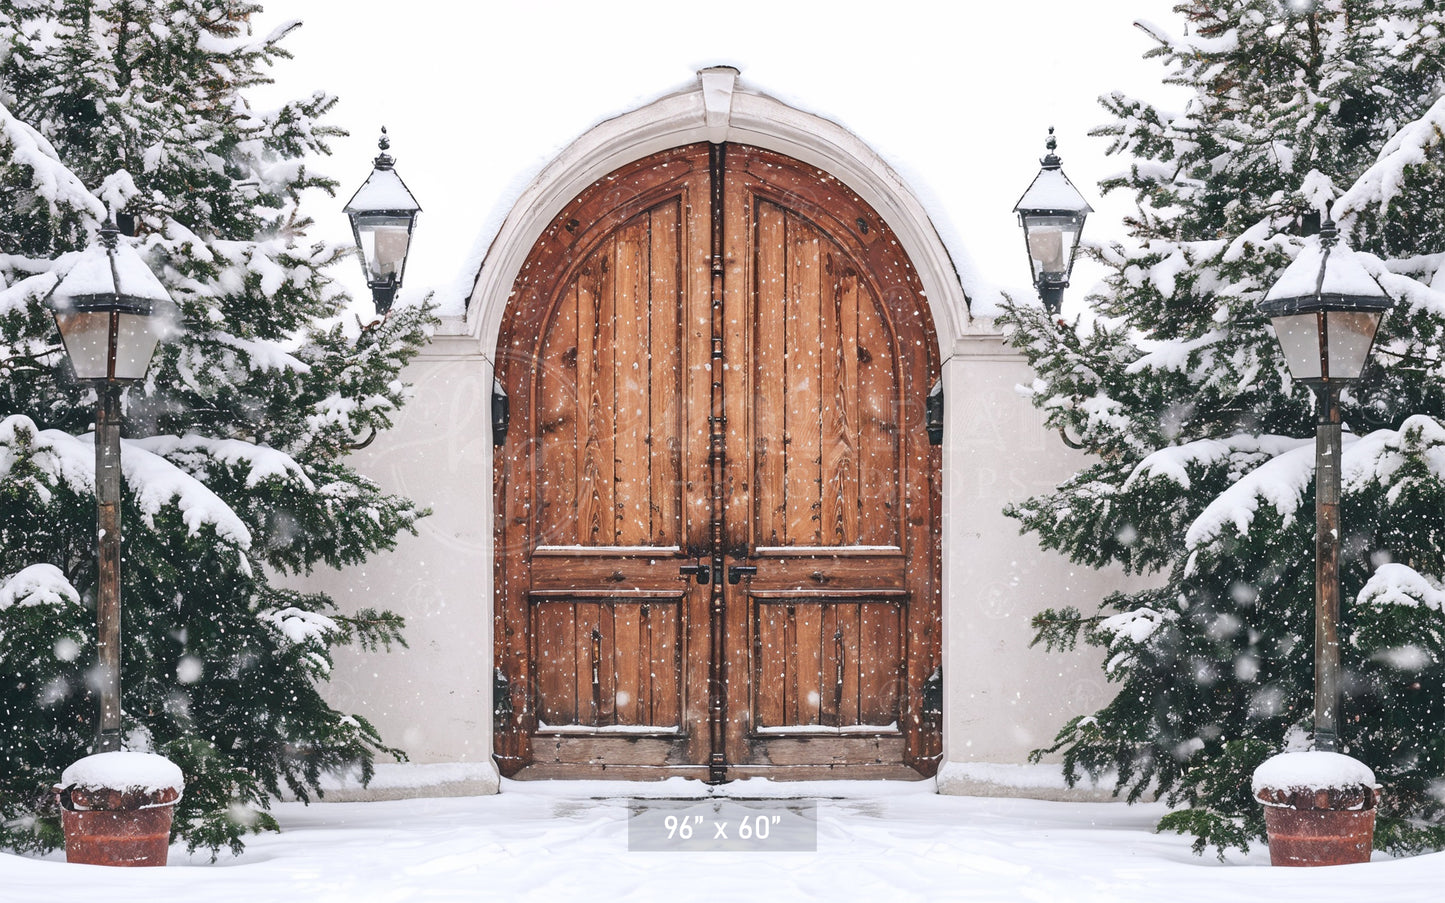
(932, 708)
(501, 413)
(933, 414)
(501, 696)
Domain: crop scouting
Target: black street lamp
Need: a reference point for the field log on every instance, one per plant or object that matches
(383, 213)
(1052, 213)
(1325, 309)
(111, 311)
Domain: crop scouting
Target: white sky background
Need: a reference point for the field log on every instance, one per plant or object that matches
(956, 96)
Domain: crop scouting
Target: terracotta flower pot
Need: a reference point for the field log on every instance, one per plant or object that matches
(126, 825)
(1317, 821)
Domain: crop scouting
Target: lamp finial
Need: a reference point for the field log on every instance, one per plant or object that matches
(1051, 160)
(383, 160)
(1329, 232)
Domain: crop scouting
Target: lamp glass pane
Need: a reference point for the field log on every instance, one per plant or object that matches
(1299, 339)
(87, 341)
(384, 241)
(135, 343)
(1051, 244)
(1351, 333)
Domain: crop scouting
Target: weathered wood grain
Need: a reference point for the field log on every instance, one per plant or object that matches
(830, 489)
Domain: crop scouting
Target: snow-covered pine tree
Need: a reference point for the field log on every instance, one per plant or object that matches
(235, 447)
(1202, 445)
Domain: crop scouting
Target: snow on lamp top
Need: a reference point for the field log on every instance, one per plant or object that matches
(1325, 275)
(382, 192)
(111, 274)
(1325, 309)
(1052, 192)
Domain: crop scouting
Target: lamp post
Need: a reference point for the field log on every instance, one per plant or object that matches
(383, 213)
(1052, 213)
(106, 308)
(1325, 309)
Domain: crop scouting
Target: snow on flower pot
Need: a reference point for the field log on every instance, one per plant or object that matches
(116, 807)
(1319, 808)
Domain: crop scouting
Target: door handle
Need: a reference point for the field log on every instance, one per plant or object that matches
(702, 571)
(736, 572)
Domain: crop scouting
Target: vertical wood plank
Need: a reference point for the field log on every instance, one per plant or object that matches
(855, 663)
(587, 619)
(664, 436)
(809, 643)
(770, 377)
(740, 289)
(629, 658)
(771, 670)
(879, 644)
(593, 417)
(604, 393)
(829, 659)
(849, 478)
(878, 429)
(632, 406)
(696, 364)
(555, 661)
(838, 332)
(557, 407)
(609, 652)
(664, 663)
(803, 427)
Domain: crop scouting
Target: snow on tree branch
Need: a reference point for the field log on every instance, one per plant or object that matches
(1383, 182)
(1398, 584)
(39, 584)
(154, 482)
(52, 180)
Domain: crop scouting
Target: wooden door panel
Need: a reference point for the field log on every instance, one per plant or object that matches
(607, 665)
(663, 366)
(826, 665)
(824, 388)
(603, 405)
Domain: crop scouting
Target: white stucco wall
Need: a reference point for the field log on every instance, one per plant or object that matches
(1004, 699)
(434, 698)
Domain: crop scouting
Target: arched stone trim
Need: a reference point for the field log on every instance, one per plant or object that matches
(718, 108)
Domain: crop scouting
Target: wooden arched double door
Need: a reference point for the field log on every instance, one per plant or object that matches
(717, 534)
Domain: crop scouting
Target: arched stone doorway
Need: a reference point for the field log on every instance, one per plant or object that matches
(718, 514)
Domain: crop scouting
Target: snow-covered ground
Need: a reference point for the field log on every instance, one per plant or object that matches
(559, 841)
